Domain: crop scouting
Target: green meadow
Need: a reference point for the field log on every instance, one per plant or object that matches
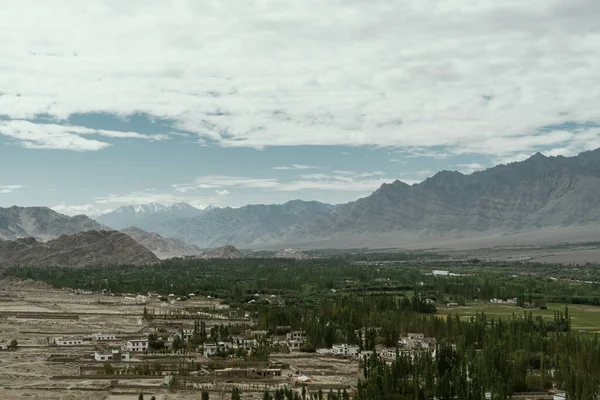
(585, 319)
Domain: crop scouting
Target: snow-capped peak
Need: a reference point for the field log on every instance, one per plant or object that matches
(154, 208)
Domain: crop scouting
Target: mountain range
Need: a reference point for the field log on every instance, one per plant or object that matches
(538, 193)
(79, 250)
(147, 216)
(41, 223)
(162, 247)
(532, 197)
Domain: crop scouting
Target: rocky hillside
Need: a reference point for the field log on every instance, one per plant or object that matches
(41, 223)
(226, 252)
(245, 225)
(147, 216)
(162, 247)
(538, 193)
(80, 250)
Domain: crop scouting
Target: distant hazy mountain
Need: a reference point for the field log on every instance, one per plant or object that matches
(245, 225)
(540, 192)
(227, 252)
(79, 250)
(162, 247)
(41, 223)
(147, 216)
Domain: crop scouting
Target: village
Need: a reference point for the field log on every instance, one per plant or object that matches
(105, 346)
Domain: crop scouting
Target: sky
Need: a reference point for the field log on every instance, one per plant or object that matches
(234, 102)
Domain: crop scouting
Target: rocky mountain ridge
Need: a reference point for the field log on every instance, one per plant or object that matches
(162, 247)
(540, 192)
(79, 250)
(244, 225)
(225, 252)
(147, 216)
(41, 223)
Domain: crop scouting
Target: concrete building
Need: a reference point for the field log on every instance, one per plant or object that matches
(137, 345)
(114, 356)
(415, 336)
(295, 345)
(296, 335)
(68, 341)
(104, 336)
(345, 350)
(210, 349)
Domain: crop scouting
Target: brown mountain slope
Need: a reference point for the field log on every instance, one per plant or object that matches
(80, 250)
(41, 223)
(161, 246)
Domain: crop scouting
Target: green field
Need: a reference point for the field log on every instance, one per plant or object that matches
(585, 320)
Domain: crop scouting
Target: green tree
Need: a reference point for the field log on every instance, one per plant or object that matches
(13, 344)
(141, 396)
(108, 369)
(205, 395)
(236, 394)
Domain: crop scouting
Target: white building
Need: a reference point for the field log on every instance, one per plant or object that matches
(296, 335)
(295, 345)
(137, 345)
(104, 336)
(3, 346)
(68, 341)
(210, 349)
(388, 352)
(345, 350)
(187, 334)
(115, 356)
(415, 336)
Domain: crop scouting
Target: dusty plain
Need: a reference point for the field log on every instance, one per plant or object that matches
(35, 369)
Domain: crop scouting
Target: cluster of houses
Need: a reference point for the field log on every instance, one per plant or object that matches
(249, 373)
(211, 349)
(501, 301)
(78, 341)
(410, 345)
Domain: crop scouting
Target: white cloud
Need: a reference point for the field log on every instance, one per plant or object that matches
(223, 193)
(296, 166)
(345, 181)
(10, 188)
(88, 209)
(468, 77)
(470, 168)
(153, 196)
(64, 137)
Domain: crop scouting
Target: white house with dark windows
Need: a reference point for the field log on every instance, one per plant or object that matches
(345, 350)
(114, 356)
(137, 345)
(104, 336)
(68, 341)
(296, 335)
